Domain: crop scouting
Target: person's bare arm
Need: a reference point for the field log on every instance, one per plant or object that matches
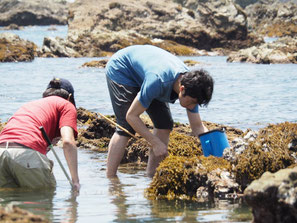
(133, 118)
(196, 123)
(70, 153)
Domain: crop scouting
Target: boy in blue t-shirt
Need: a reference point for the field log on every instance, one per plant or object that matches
(145, 78)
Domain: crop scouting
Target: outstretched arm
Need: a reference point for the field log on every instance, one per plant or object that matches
(133, 118)
(196, 123)
(70, 153)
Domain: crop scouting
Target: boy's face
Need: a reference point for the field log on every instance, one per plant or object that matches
(186, 101)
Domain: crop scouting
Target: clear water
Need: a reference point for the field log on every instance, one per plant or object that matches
(245, 96)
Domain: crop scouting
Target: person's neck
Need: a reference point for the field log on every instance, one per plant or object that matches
(177, 84)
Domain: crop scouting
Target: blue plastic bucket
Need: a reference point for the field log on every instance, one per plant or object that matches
(214, 142)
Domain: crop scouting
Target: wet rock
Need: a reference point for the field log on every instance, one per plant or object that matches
(14, 49)
(268, 152)
(137, 152)
(239, 145)
(245, 3)
(95, 63)
(273, 18)
(1, 126)
(282, 50)
(17, 215)
(96, 28)
(12, 27)
(94, 132)
(273, 197)
(193, 178)
(56, 47)
(33, 12)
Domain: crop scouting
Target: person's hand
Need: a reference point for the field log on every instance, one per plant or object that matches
(160, 149)
(76, 186)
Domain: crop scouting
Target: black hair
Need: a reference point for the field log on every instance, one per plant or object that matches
(56, 90)
(198, 84)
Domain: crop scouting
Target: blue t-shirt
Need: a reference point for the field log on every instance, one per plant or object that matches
(150, 68)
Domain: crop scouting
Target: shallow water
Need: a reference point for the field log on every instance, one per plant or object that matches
(245, 96)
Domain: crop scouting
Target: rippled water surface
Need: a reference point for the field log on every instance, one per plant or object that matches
(245, 96)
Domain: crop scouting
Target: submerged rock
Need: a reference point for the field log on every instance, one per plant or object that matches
(14, 49)
(18, 215)
(273, 197)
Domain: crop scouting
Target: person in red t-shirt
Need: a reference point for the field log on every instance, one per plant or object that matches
(23, 161)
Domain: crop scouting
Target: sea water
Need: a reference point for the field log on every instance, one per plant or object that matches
(245, 96)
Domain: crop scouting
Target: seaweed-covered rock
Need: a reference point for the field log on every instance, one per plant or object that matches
(1, 126)
(273, 197)
(273, 18)
(239, 145)
(268, 152)
(14, 49)
(85, 116)
(137, 151)
(96, 63)
(94, 132)
(193, 178)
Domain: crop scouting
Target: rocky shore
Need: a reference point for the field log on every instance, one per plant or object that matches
(259, 165)
(188, 27)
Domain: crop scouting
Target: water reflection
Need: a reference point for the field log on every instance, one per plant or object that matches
(118, 198)
(39, 202)
(71, 212)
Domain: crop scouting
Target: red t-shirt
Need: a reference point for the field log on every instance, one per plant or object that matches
(51, 112)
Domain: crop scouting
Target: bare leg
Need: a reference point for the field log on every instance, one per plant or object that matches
(116, 150)
(154, 161)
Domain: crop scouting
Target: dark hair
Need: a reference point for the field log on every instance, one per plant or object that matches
(56, 90)
(198, 84)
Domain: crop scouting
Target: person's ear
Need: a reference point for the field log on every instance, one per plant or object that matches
(181, 88)
(69, 96)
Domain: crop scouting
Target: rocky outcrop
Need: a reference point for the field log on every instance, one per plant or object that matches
(273, 18)
(57, 47)
(13, 48)
(273, 197)
(96, 27)
(186, 173)
(284, 50)
(33, 12)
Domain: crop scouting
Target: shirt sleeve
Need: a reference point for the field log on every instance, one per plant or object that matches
(194, 110)
(150, 89)
(68, 117)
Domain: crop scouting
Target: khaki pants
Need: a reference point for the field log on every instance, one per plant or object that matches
(21, 167)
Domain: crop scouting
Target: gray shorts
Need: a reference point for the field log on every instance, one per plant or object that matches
(122, 97)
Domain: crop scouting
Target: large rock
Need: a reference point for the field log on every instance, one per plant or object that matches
(13, 48)
(33, 12)
(284, 50)
(273, 197)
(273, 18)
(96, 26)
